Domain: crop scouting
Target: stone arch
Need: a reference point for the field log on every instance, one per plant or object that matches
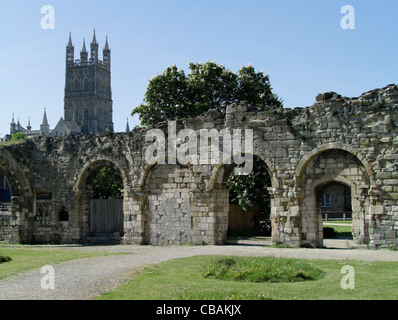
(148, 169)
(218, 184)
(167, 209)
(324, 167)
(21, 198)
(95, 165)
(75, 85)
(332, 146)
(86, 85)
(84, 193)
(216, 178)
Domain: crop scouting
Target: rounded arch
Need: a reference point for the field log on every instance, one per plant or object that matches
(300, 169)
(318, 184)
(219, 172)
(18, 183)
(21, 197)
(148, 169)
(101, 220)
(93, 166)
(253, 218)
(324, 165)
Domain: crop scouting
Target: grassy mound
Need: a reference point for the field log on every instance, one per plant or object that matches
(261, 270)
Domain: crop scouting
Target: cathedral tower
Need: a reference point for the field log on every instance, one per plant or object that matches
(88, 104)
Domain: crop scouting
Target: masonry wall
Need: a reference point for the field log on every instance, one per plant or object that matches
(178, 205)
(169, 209)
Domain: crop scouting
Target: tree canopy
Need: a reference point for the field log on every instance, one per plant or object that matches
(248, 191)
(174, 95)
(19, 136)
(108, 184)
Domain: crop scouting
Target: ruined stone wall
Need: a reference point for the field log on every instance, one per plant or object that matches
(349, 140)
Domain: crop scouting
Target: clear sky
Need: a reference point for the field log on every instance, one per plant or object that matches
(300, 44)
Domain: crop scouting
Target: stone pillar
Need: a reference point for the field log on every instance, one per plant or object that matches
(285, 217)
(9, 223)
(209, 216)
(23, 219)
(135, 208)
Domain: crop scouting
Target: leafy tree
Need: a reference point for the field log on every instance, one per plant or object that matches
(108, 184)
(174, 95)
(19, 136)
(211, 86)
(255, 88)
(166, 98)
(250, 190)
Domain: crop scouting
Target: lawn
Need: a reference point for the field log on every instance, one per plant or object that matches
(185, 279)
(25, 258)
(343, 231)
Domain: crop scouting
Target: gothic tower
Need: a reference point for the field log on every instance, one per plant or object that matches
(88, 104)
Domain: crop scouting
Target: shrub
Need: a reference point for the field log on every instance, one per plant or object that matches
(19, 136)
(5, 259)
(329, 233)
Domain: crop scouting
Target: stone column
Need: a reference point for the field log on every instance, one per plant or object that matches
(135, 208)
(209, 216)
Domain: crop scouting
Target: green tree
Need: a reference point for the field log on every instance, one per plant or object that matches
(165, 98)
(211, 86)
(108, 184)
(250, 190)
(174, 95)
(19, 136)
(255, 88)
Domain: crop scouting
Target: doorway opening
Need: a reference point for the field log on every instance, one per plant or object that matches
(104, 203)
(249, 202)
(335, 206)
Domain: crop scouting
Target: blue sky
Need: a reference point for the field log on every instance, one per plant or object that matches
(300, 44)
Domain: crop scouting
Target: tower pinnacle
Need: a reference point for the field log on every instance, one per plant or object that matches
(83, 53)
(94, 49)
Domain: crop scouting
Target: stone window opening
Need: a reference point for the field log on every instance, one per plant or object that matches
(63, 215)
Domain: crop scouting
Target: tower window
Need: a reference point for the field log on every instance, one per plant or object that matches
(86, 85)
(75, 85)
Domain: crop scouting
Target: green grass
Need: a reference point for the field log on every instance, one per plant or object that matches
(25, 258)
(343, 232)
(260, 270)
(4, 259)
(11, 142)
(182, 279)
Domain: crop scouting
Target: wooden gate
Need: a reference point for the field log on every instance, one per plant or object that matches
(106, 216)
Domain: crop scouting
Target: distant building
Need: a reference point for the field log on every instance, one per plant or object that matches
(336, 201)
(88, 96)
(17, 128)
(88, 105)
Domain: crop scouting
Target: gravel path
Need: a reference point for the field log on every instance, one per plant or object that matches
(87, 278)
